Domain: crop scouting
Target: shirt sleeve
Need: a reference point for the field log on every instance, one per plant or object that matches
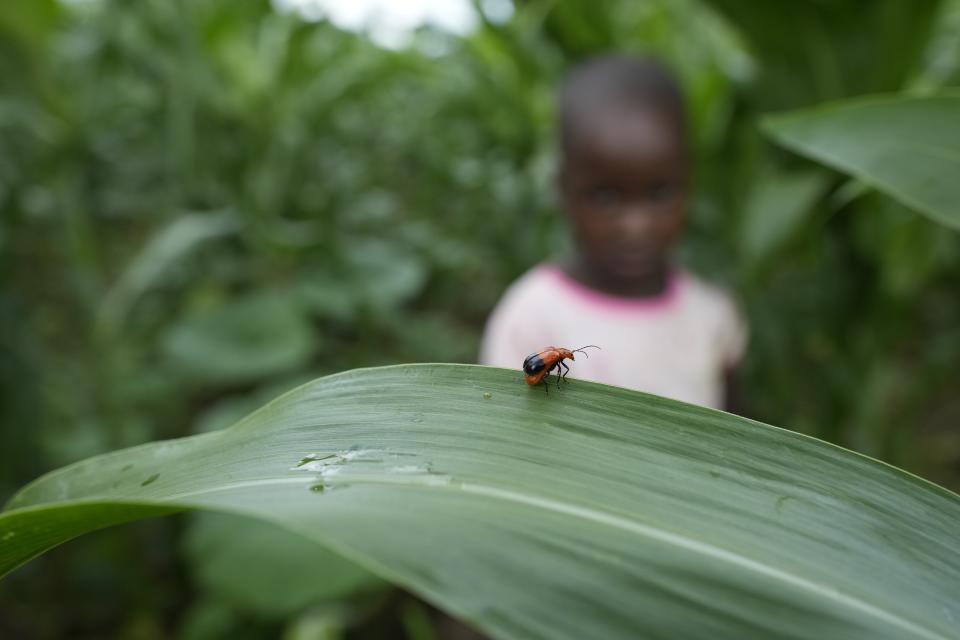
(734, 334)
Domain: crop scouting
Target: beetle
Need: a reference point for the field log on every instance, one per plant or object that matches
(537, 366)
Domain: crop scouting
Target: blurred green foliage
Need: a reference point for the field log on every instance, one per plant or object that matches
(901, 145)
(204, 203)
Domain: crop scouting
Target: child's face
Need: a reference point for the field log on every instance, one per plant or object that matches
(624, 183)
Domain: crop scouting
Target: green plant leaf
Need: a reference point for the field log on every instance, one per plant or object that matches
(907, 147)
(587, 512)
(242, 339)
(775, 210)
(262, 568)
(162, 252)
(836, 49)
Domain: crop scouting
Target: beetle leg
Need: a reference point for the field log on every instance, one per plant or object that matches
(566, 369)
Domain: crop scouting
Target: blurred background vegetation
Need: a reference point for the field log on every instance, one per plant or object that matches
(203, 204)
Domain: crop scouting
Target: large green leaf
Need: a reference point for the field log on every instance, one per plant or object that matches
(776, 208)
(591, 512)
(242, 339)
(907, 147)
(268, 570)
(158, 258)
(835, 49)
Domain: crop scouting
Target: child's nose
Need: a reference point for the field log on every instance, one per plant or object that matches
(637, 222)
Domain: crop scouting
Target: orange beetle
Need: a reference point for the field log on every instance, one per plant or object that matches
(537, 366)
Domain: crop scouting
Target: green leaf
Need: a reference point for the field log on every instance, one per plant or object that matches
(30, 21)
(835, 49)
(586, 512)
(243, 339)
(776, 208)
(262, 568)
(162, 252)
(907, 147)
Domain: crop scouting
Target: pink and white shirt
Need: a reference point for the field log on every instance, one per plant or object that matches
(678, 344)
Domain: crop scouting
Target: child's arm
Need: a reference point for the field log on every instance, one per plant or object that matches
(732, 397)
(735, 332)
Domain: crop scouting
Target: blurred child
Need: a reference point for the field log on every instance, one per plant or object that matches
(624, 179)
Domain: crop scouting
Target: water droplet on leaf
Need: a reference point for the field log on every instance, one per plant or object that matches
(314, 457)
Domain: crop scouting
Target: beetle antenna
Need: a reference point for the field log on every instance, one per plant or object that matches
(589, 346)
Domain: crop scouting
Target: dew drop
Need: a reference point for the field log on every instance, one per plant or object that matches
(150, 480)
(8, 536)
(313, 457)
(487, 395)
(318, 488)
(322, 463)
(127, 467)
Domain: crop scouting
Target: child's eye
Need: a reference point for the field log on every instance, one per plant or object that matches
(661, 191)
(603, 196)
